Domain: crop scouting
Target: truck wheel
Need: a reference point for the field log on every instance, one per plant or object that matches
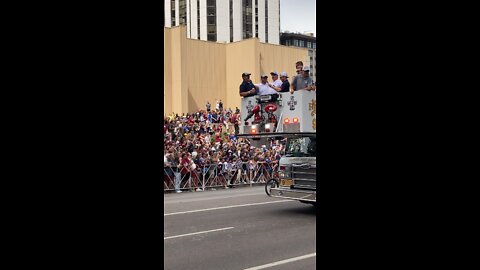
(272, 183)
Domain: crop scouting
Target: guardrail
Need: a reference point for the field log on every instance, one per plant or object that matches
(218, 176)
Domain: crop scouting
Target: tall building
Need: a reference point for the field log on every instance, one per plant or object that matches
(305, 41)
(226, 21)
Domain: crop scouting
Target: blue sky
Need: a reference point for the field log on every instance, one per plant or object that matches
(298, 16)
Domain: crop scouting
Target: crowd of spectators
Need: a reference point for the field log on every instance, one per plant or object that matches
(194, 141)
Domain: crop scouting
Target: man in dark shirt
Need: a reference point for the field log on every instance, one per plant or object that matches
(247, 88)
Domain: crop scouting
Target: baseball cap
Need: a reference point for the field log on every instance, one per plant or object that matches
(264, 75)
(274, 73)
(246, 73)
(283, 74)
(306, 68)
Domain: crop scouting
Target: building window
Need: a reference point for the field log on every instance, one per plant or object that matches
(190, 17)
(256, 18)
(314, 45)
(211, 29)
(231, 21)
(309, 44)
(211, 11)
(211, 37)
(247, 18)
(301, 43)
(172, 9)
(211, 20)
(182, 6)
(295, 42)
(198, 19)
(266, 20)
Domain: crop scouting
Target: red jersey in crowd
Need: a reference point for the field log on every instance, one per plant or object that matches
(233, 119)
(185, 165)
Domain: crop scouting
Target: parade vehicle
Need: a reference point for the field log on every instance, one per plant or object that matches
(290, 117)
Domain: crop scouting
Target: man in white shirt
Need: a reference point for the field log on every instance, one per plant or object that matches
(263, 88)
(276, 81)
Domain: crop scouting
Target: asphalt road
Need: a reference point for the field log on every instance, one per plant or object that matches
(203, 231)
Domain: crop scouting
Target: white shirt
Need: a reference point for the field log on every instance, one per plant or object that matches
(264, 89)
(277, 83)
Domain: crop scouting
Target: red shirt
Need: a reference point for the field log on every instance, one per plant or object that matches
(185, 165)
(233, 120)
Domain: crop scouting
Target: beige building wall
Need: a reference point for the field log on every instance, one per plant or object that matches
(198, 71)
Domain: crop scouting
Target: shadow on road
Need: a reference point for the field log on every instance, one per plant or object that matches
(301, 209)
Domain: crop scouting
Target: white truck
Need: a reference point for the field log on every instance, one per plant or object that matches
(290, 116)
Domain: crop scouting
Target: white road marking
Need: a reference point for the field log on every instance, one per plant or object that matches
(223, 207)
(282, 262)
(188, 234)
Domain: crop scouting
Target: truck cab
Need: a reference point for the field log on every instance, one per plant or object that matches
(297, 170)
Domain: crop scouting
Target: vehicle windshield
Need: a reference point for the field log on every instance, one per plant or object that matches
(301, 147)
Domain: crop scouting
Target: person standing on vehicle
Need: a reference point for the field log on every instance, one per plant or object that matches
(299, 70)
(247, 88)
(275, 80)
(285, 86)
(264, 88)
(307, 81)
(304, 82)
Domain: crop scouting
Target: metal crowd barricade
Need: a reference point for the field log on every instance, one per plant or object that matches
(174, 180)
(169, 178)
(218, 176)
